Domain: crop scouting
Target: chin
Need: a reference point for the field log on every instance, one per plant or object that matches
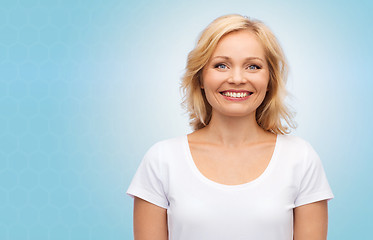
(238, 113)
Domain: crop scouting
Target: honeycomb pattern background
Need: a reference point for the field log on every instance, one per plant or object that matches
(86, 87)
(62, 170)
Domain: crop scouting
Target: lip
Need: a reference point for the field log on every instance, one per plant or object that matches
(236, 99)
(235, 90)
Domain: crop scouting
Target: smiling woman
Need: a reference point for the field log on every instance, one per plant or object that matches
(272, 111)
(237, 60)
(237, 175)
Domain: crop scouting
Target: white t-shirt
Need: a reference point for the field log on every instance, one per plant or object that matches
(199, 208)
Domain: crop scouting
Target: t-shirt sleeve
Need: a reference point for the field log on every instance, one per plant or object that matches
(314, 184)
(147, 182)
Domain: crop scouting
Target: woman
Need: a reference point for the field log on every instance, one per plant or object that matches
(238, 175)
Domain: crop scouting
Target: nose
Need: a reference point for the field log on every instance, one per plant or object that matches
(237, 77)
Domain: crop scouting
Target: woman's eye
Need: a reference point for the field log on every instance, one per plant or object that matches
(254, 67)
(221, 66)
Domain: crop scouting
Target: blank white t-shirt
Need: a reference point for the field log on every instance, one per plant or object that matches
(199, 208)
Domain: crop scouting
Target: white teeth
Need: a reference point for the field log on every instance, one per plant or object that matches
(235, 95)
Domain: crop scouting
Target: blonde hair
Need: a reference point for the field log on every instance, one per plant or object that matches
(272, 115)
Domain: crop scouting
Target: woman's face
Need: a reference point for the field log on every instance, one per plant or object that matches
(236, 77)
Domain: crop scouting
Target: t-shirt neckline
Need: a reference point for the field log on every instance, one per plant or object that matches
(208, 181)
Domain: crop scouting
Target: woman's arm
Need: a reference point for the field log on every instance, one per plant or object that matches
(311, 221)
(149, 221)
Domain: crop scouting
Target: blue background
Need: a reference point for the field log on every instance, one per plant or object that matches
(86, 87)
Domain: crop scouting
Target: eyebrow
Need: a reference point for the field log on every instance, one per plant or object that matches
(246, 59)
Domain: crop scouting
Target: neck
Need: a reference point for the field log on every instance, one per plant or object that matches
(234, 131)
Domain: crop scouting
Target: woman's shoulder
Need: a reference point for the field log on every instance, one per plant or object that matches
(169, 142)
(167, 145)
(295, 144)
(163, 154)
(293, 140)
(299, 151)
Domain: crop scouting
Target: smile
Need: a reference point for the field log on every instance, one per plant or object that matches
(236, 94)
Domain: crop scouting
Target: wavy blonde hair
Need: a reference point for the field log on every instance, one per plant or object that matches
(272, 115)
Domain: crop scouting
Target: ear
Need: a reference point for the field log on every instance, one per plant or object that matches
(201, 84)
(268, 87)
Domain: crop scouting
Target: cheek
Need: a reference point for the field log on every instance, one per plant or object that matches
(260, 82)
(212, 75)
